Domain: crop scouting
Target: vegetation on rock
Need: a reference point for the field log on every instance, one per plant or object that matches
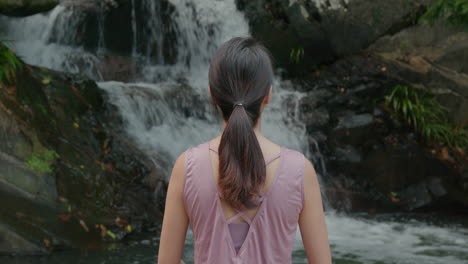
(455, 12)
(9, 64)
(426, 116)
(42, 162)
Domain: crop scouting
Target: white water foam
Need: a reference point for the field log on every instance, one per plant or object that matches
(331, 4)
(367, 240)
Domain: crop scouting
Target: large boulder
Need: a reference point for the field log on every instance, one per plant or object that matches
(26, 7)
(68, 173)
(434, 58)
(325, 32)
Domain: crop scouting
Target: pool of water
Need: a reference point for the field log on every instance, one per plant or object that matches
(355, 239)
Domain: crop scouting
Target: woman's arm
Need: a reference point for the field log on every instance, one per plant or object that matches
(175, 222)
(312, 220)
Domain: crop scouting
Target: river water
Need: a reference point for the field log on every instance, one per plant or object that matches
(164, 123)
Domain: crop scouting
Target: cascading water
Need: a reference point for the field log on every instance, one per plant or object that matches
(166, 110)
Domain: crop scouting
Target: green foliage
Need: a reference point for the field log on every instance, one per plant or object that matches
(428, 118)
(9, 64)
(454, 11)
(296, 55)
(42, 162)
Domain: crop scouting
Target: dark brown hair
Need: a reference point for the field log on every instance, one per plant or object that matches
(241, 72)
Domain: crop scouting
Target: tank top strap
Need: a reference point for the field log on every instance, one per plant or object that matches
(212, 148)
(270, 160)
(295, 162)
(197, 180)
(239, 214)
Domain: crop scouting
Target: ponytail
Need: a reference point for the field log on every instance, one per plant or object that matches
(240, 71)
(241, 163)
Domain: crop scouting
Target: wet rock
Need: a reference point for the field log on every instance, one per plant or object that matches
(12, 243)
(436, 187)
(354, 120)
(416, 196)
(369, 156)
(94, 4)
(111, 30)
(325, 32)
(26, 8)
(145, 242)
(425, 193)
(348, 154)
(118, 68)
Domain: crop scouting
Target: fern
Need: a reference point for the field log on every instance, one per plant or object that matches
(9, 64)
(455, 12)
(426, 116)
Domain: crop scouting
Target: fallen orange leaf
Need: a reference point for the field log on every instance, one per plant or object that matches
(12, 89)
(103, 231)
(46, 242)
(20, 214)
(80, 213)
(64, 217)
(444, 153)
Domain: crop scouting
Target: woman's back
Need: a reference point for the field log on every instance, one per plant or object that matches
(270, 227)
(243, 195)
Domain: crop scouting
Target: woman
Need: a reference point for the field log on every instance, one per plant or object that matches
(242, 194)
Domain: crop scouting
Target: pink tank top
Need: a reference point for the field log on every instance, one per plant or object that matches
(268, 237)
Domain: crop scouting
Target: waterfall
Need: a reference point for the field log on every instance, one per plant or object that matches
(331, 4)
(162, 126)
(55, 40)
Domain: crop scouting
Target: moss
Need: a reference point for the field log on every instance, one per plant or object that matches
(453, 12)
(42, 162)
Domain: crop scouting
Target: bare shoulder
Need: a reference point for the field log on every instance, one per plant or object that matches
(310, 176)
(178, 170)
(269, 148)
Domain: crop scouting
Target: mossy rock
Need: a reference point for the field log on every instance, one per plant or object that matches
(97, 174)
(26, 7)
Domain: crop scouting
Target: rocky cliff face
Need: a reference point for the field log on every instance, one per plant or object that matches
(373, 162)
(66, 168)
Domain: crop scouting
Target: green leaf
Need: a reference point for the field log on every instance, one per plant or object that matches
(46, 80)
(111, 234)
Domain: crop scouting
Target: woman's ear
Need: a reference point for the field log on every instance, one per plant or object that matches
(267, 98)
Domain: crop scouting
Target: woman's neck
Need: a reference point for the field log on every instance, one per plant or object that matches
(257, 128)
